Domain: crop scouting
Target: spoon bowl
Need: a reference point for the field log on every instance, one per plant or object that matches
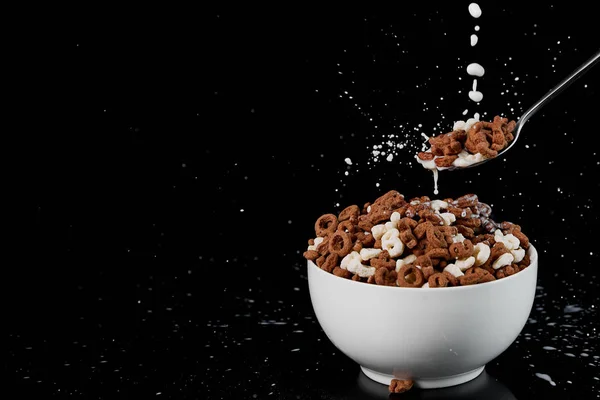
(577, 73)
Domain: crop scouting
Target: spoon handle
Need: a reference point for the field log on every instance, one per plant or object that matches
(562, 85)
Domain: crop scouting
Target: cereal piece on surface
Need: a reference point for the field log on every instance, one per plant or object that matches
(400, 385)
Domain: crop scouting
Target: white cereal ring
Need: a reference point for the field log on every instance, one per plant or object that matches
(519, 254)
(391, 242)
(378, 231)
(481, 251)
(504, 260)
(465, 263)
(348, 260)
(448, 218)
(367, 253)
(458, 238)
(391, 225)
(438, 205)
(318, 240)
(511, 242)
(454, 270)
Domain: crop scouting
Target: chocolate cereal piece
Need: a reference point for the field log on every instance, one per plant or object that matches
(400, 385)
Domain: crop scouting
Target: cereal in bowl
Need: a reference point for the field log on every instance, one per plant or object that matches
(418, 243)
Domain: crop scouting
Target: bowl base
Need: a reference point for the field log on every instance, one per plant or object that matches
(427, 383)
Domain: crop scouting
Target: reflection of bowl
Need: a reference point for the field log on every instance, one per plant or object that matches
(438, 336)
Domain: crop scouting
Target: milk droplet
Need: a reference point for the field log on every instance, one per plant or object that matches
(475, 96)
(475, 10)
(475, 69)
(474, 39)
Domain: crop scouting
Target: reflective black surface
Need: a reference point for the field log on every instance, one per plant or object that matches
(177, 160)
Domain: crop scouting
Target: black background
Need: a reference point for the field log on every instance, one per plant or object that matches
(176, 160)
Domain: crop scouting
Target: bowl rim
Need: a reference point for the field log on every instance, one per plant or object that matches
(531, 250)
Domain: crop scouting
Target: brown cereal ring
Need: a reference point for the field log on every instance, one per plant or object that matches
(365, 223)
(340, 243)
(330, 262)
(366, 239)
(347, 226)
(391, 199)
(407, 223)
(487, 277)
(505, 271)
(379, 214)
(400, 385)
(466, 200)
(475, 271)
(410, 276)
(425, 155)
(439, 252)
(452, 280)
(470, 279)
(438, 280)
(427, 271)
(342, 273)
(327, 223)
(407, 237)
(472, 222)
(445, 161)
(486, 238)
(488, 225)
(488, 268)
(432, 216)
(423, 261)
(358, 246)
(524, 263)
(311, 255)
(323, 247)
(349, 213)
(319, 261)
(421, 229)
(467, 232)
(436, 238)
(462, 249)
(386, 277)
(421, 247)
(448, 230)
(460, 212)
(482, 209)
(383, 260)
(497, 250)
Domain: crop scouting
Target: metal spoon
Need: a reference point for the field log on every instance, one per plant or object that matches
(540, 103)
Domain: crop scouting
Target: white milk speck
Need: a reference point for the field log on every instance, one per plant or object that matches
(546, 378)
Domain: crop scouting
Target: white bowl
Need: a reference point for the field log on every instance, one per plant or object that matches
(437, 337)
